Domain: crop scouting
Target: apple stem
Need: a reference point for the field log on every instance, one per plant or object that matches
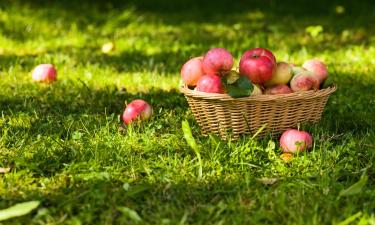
(298, 126)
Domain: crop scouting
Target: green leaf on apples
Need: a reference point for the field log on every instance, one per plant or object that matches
(242, 87)
(326, 84)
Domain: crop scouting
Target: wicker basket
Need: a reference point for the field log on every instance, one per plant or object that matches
(223, 115)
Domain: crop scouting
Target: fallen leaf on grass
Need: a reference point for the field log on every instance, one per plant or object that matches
(18, 210)
(131, 214)
(355, 188)
(267, 181)
(4, 170)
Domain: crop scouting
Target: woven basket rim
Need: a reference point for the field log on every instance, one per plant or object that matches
(279, 97)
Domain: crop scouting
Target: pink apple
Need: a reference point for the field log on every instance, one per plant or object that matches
(294, 141)
(297, 69)
(192, 70)
(217, 61)
(318, 68)
(304, 81)
(210, 84)
(278, 89)
(44, 73)
(282, 75)
(137, 109)
(258, 65)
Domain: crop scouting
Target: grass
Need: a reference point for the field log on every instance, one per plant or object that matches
(68, 149)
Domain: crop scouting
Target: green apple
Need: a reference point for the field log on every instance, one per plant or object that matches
(282, 75)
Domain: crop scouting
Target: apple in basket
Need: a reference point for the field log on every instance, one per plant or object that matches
(282, 75)
(297, 69)
(304, 81)
(294, 141)
(258, 65)
(44, 73)
(217, 61)
(210, 84)
(192, 70)
(318, 68)
(137, 109)
(278, 89)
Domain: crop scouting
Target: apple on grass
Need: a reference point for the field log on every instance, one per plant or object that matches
(44, 73)
(210, 84)
(192, 71)
(217, 61)
(282, 75)
(293, 141)
(318, 68)
(108, 47)
(278, 89)
(258, 65)
(137, 109)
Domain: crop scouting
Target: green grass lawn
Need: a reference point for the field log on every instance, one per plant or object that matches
(68, 149)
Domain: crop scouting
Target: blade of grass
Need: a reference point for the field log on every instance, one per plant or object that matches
(193, 144)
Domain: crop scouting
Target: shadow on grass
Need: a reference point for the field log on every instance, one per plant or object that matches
(241, 201)
(270, 16)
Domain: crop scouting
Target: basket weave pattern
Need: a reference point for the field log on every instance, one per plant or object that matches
(221, 114)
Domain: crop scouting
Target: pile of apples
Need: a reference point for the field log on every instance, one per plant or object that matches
(214, 73)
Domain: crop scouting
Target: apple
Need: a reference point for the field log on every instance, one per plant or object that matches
(257, 90)
(293, 141)
(278, 89)
(258, 65)
(282, 75)
(210, 84)
(137, 109)
(304, 81)
(217, 61)
(192, 70)
(263, 51)
(318, 68)
(297, 69)
(44, 73)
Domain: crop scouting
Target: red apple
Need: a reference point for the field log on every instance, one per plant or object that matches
(44, 73)
(258, 65)
(318, 68)
(304, 81)
(192, 70)
(294, 141)
(278, 89)
(217, 61)
(210, 84)
(137, 109)
(282, 75)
